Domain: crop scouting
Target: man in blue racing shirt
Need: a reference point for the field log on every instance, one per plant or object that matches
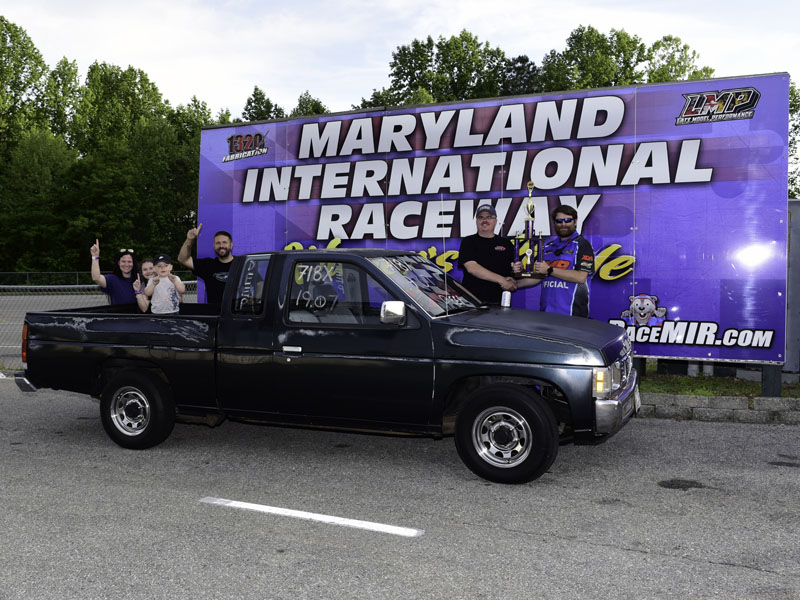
(567, 267)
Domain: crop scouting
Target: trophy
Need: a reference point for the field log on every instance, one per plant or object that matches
(526, 238)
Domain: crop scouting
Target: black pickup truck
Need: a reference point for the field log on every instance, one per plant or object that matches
(360, 340)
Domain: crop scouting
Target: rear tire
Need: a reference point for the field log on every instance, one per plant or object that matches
(137, 410)
(507, 434)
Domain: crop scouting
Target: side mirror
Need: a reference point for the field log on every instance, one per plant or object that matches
(393, 312)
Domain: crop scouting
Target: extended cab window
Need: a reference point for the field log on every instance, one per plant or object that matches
(335, 293)
(249, 296)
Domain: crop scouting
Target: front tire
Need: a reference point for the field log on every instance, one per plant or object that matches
(137, 410)
(507, 434)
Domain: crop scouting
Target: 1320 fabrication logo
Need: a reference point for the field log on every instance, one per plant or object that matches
(245, 146)
(727, 105)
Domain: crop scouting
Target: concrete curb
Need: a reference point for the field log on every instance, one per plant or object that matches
(736, 409)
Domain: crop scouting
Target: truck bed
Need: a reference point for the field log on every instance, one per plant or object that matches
(71, 348)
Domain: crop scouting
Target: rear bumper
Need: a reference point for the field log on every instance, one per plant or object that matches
(23, 383)
(610, 414)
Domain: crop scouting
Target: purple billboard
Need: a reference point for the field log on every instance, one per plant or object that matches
(681, 189)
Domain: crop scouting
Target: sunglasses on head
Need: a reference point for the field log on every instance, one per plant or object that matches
(564, 220)
(126, 250)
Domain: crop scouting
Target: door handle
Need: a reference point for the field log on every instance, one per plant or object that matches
(293, 349)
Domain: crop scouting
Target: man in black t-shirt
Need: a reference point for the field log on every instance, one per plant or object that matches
(213, 271)
(487, 259)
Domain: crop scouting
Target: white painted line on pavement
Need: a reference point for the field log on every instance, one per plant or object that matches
(299, 514)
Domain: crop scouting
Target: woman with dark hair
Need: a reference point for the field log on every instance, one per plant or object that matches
(119, 284)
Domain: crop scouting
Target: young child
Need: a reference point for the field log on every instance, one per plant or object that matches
(148, 271)
(165, 289)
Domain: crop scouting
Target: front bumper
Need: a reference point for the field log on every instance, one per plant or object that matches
(610, 414)
(23, 383)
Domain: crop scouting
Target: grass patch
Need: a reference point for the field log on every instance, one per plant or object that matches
(702, 385)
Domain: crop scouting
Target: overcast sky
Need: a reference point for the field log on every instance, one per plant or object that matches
(340, 50)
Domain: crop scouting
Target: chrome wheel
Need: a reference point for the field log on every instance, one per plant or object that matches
(502, 437)
(130, 411)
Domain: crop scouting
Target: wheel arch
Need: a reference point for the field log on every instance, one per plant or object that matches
(112, 367)
(461, 390)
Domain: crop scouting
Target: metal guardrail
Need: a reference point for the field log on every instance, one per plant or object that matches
(16, 300)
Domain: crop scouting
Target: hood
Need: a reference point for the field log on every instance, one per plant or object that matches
(518, 335)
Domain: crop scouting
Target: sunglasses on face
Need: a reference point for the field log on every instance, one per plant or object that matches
(564, 220)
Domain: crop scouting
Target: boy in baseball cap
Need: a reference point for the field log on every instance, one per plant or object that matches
(165, 290)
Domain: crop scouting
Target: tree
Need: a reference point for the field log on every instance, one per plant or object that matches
(190, 119)
(592, 59)
(33, 185)
(794, 137)
(520, 76)
(421, 96)
(379, 98)
(308, 105)
(22, 75)
(224, 116)
(465, 68)
(411, 68)
(260, 108)
(458, 68)
(670, 60)
(60, 98)
(112, 102)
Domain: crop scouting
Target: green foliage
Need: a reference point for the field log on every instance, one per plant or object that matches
(112, 102)
(22, 79)
(108, 159)
(465, 68)
(794, 136)
(670, 60)
(592, 59)
(60, 99)
(307, 105)
(34, 184)
(457, 68)
(421, 96)
(520, 76)
(260, 108)
(380, 98)
(224, 116)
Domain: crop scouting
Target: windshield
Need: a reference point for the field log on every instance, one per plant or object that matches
(425, 284)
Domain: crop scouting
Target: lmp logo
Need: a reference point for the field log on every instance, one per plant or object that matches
(727, 105)
(245, 146)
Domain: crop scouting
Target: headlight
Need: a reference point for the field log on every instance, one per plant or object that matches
(607, 380)
(602, 382)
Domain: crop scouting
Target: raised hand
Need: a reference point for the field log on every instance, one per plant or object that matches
(95, 249)
(137, 285)
(193, 233)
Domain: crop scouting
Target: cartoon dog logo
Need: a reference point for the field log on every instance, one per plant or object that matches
(644, 310)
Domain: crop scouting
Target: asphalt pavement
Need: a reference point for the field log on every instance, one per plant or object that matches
(665, 509)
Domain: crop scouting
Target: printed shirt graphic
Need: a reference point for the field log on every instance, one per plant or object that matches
(165, 297)
(564, 297)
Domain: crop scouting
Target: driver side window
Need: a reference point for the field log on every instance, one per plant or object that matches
(335, 293)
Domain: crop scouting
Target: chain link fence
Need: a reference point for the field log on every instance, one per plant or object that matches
(27, 293)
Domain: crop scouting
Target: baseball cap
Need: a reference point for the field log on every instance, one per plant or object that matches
(162, 258)
(486, 208)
